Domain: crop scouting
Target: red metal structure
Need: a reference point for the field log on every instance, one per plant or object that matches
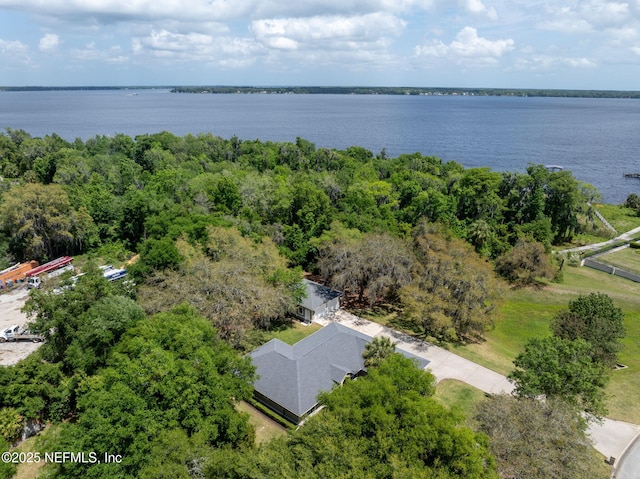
(50, 266)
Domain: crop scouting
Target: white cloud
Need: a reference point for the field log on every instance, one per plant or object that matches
(49, 42)
(546, 62)
(173, 42)
(311, 8)
(624, 35)
(13, 47)
(478, 8)
(467, 44)
(602, 13)
(589, 16)
(335, 31)
(223, 50)
(217, 10)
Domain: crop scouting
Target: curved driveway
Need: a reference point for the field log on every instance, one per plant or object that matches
(629, 465)
(611, 438)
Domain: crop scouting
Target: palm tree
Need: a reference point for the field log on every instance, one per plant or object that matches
(377, 350)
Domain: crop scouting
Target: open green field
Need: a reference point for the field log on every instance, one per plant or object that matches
(526, 313)
(627, 258)
(621, 218)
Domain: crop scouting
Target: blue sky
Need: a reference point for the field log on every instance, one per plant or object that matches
(592, 44)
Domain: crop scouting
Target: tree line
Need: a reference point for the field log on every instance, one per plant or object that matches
(72, 197)
(337, 90)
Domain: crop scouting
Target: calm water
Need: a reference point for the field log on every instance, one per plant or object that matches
(597, 139)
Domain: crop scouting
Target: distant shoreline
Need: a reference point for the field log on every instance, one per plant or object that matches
(319, 90)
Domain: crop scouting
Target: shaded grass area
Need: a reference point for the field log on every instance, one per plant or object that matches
(265, 427)
(628, 258)
(29, 470)
(385, 314)
(293, 333)
(39, 443)
(453, 393)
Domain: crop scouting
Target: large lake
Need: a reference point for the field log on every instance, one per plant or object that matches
(597, 139)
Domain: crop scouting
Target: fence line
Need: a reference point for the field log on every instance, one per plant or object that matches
(611, 269)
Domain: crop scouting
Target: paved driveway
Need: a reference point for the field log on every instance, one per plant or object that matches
(611, 438)
(623, 237)
(629, 467)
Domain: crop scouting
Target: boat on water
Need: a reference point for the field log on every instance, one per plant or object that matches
(554, 168)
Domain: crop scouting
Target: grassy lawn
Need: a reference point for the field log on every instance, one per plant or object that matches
(621, 218)
(295, 333)
(627, 258)
(525, 314)
(454, 393)
(266, 428)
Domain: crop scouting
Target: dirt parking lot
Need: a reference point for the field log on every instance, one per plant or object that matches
(10, 314)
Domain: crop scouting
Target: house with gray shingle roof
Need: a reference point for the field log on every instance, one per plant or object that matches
(319, 301)
(291, 377)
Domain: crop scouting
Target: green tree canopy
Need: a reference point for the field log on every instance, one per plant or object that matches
(563, 369)
(564, 201)
(59, 316)
(167, 378)
(596, 319)
(380, 348)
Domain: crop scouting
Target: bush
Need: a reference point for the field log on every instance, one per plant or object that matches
(633, 202)
(525, 263)
(10, 424)
(160, 254)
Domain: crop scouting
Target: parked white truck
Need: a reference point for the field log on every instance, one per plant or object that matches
(16, 333)
(47, 271)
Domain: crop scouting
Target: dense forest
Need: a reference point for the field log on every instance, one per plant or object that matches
(225, 230)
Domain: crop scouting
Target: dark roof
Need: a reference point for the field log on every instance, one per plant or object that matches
(293, 376)
(317, 294)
